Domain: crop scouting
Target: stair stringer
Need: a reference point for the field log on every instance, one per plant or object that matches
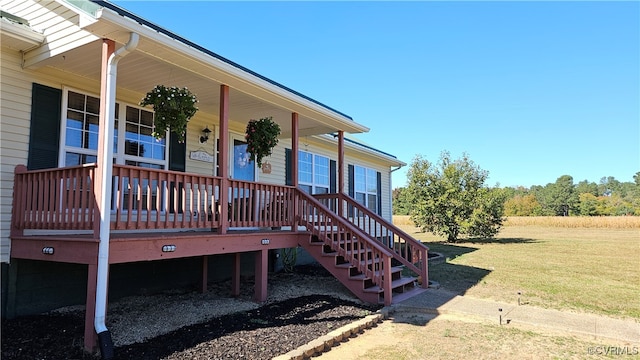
(340, 272)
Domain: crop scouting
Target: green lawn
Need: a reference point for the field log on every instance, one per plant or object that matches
(595, 270)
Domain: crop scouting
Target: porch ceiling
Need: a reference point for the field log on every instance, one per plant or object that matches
(159, 59)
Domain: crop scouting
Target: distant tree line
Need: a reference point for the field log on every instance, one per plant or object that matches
(609, 197)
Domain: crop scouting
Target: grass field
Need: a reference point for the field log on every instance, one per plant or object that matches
(421, 336)
(583, 264)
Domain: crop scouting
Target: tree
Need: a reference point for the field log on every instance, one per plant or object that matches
(609, 185)
(588, 204)
(450, 198)
(585, 187)
(400, 202)
(559, 198)
(522, 205)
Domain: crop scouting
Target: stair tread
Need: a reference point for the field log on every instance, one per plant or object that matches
(361, 276)
(394, 284)
(345, 265)
(359, 251)
(407, 294)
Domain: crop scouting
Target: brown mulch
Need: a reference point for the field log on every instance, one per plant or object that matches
(263, 333)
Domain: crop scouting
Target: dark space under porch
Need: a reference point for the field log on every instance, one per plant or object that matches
(46, 285)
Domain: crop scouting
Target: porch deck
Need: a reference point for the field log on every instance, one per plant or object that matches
(157, 214)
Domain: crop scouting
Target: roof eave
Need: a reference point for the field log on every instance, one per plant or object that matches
(380, 155)
(243, 78)
(23, 34)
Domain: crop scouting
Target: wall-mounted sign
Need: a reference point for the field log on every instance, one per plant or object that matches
(266, 167)
(201, 156)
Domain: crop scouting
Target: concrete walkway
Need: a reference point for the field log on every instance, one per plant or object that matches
(439, 301)
(434, 302)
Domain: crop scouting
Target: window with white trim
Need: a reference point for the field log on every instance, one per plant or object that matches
(81, 129)
(313, 172)
(141, 148)
(138, 147)
(80, 134)
(366, 187)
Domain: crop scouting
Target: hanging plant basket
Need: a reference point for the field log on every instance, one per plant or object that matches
(173, 108)
(262, 137)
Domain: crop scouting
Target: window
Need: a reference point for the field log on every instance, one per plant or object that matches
(81, 129)
(313, 173)
(80, 133)
(138, 147)
(366, 187)
(141, 148)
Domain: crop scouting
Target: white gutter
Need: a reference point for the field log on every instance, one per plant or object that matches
(391, 189)
(21, 32)
(105, 200)
(363, 149)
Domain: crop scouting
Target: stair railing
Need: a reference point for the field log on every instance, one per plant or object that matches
(331, 229)
(405, 249)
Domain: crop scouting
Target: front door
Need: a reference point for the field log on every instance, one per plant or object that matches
(243, 168)
(242, 207)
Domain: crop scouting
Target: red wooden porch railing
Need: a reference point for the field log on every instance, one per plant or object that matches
(409, 251)
(54, 199)
(257, 204)
(146, 198)
(143, 198)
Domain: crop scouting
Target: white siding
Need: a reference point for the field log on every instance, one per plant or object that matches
(194, 131)
(55, 21)
(277, 161)
(15, 110)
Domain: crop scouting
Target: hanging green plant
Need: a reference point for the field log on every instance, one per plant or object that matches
(173, 108)
(262, 137)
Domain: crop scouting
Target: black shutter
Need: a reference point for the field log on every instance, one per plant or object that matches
(177, 162)
(379, 194)
(288, 176)
(177, 153)
(352, 182)
(352, 188)
(332, 177)
(44, 135)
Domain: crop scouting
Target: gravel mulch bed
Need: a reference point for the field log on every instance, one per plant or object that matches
(301, 307)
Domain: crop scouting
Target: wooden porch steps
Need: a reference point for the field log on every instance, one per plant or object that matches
(403, 287)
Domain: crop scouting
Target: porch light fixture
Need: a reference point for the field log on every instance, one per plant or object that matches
(205, 135)
(168, 248)
(47, 250)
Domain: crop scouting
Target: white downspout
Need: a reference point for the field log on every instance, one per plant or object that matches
(391, 189)
(105, 214)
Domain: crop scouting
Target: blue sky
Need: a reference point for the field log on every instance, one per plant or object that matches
(530, 90)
